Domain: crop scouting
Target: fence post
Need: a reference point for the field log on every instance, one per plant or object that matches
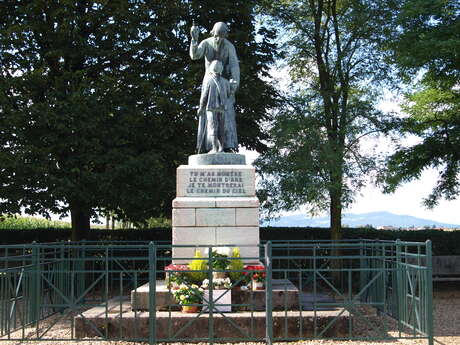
(362, 271)
(35, 284)
(268, 294)
(399, 283)
(211, 298)
(429, 293)
(152, 293)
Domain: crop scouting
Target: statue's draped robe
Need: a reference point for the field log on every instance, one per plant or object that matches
(226, 54)
(214, 98)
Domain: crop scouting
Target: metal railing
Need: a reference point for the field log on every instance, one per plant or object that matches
(359, 289)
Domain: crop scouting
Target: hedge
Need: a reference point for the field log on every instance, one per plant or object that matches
(444, 242)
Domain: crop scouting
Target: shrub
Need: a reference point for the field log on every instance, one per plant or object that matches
(236, 265)
(197, 264)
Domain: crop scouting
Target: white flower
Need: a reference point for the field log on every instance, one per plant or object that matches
(205, 283)
(223, 250)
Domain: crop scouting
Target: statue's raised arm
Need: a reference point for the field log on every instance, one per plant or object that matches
(196, 52)
(217, 47)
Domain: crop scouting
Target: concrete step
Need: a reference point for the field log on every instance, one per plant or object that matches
(120, 321)
(285, 296)
(310, 301)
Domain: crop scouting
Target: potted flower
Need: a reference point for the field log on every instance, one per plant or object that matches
(257, 275)
(220, 262)
(222, 296)
(189, 296)
(176, 275)
(218, 283)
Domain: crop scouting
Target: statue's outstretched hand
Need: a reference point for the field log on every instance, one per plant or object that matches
(194, 32)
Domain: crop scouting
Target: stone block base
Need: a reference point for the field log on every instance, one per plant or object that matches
(284, 295)
(120, 322)
(214, 221)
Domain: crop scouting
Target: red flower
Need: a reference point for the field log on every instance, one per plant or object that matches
(176, 268)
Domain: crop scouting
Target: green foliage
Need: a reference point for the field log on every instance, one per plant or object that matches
(428, 39)
(23, 223)
(198, 264)
(444, 242)
(219, 261)
(188, 294)
(336, 63)
(236, 265)
(427, 45)
(98, 101)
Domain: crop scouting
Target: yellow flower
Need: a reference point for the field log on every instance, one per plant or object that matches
(182, 297)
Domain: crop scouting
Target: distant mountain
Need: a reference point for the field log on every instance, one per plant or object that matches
(375, 219)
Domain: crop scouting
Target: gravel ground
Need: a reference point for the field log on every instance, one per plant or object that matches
(446, 326)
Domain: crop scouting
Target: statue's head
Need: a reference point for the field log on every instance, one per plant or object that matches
(216, 67)
(219, 32)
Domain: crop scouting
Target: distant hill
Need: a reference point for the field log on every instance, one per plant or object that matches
(375, 219)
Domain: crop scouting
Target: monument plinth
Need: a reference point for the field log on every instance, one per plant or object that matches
(215, 205)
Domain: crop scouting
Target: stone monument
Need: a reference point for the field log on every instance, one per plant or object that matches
(216, 202)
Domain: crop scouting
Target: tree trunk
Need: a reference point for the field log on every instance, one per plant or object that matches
(336, 215)
(80, 221)
(336, 235)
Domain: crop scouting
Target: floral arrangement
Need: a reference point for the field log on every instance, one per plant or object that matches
(236, 265)
(199, 264)
(218, 283)
(176, 275)
(188, 294)
(255, 272)
(219, 261)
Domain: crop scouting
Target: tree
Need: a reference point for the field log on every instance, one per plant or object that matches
(98, 102)
(427, 45)
(335, 60)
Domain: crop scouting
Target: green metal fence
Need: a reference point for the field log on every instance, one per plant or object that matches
(347, 290)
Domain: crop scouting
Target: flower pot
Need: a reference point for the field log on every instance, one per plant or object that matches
(190, 309)
(257, 285)
(219, 275)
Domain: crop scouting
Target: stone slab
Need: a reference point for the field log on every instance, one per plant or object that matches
(219, 158)
(219, 202)
(216, 217)
(163, 298)
(215, 180)
(239, 202)
(190, 237)
(247, 216)
(183, 217)
(222, 299)
(194, 202)
(284, 295)
(238, 235)
(135, 325)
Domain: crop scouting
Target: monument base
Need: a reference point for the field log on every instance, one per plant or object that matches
(284, 296)
(219, 158)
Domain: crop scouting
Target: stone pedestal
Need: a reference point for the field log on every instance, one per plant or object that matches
(215, 205)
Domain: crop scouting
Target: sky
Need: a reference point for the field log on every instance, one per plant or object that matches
(407, 200)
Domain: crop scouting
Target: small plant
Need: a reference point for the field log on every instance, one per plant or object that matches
(198, 264)
(218, 283)
(175, 275)
(219, 261)
(188, 294)
(256, 273)
(236, 265)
